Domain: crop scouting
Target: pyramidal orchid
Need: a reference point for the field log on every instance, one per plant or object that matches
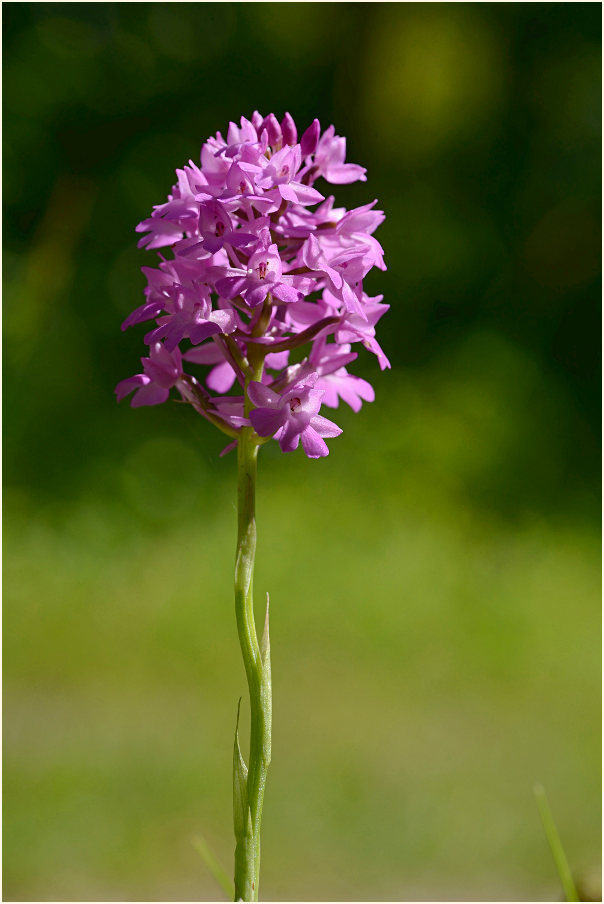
(255, 261)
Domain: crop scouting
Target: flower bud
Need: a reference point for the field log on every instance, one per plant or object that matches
(289, 131)
(310, 139)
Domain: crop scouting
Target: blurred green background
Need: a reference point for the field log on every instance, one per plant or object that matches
(434, 583)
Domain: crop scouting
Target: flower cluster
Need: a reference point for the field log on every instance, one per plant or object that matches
(262, 264)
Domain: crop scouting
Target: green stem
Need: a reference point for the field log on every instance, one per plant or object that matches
(257, 669)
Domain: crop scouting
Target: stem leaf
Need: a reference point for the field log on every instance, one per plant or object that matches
(241, 810)
(265, 686)
(265, 643)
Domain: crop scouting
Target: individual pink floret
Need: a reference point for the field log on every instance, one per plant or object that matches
(292, 416)
(161, 371)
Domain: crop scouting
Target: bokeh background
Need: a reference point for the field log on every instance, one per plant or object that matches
(434, 582)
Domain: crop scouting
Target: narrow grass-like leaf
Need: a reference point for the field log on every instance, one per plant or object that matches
(555, 844)
(214, 866)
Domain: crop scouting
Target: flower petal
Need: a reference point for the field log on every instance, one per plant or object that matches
(325, 427)
(266, 421)
(149, 395)
(313, 445)
(221, 377)
(261, 396)
(130, 384)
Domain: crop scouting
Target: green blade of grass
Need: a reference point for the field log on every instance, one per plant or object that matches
(555, 844)
(215, 866)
